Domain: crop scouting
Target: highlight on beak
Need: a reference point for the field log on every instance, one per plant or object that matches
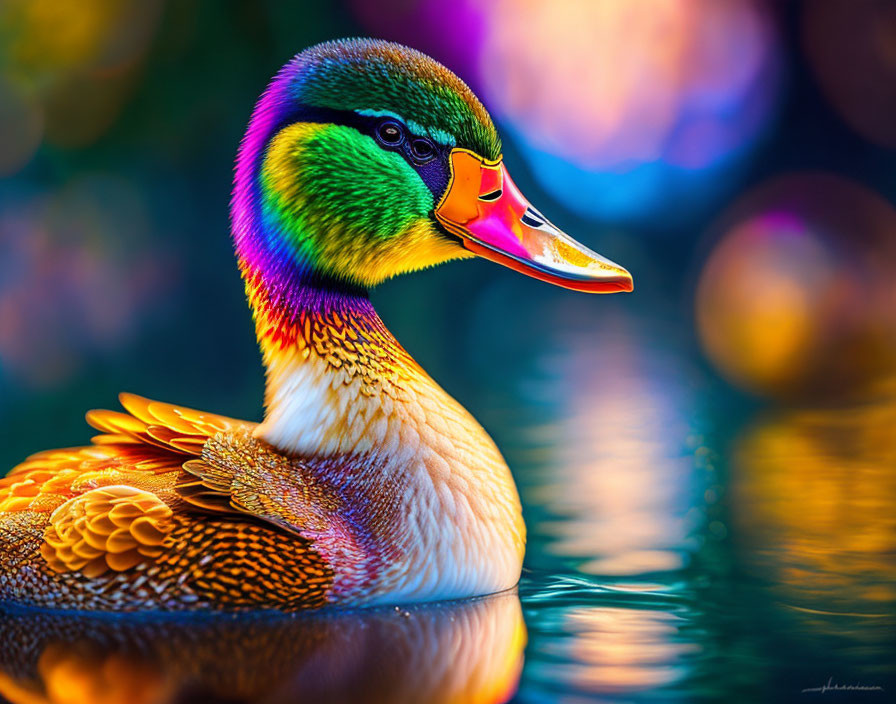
(484, 208)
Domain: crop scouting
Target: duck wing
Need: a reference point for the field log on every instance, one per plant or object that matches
(123, 524)
(171, 428)
(192, 459)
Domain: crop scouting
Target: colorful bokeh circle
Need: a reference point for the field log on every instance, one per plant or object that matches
(798, 297)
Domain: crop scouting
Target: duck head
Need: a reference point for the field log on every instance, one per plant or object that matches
(365, 159)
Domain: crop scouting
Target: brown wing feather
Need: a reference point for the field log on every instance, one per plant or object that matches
(240, 473)
(215, 487)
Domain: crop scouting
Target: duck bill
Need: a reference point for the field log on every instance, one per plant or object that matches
(484, 208)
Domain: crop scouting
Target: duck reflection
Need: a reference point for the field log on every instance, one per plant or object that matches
(460, 652)
(814, 494)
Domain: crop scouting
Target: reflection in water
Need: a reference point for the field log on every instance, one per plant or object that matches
(786, 550)
(624, 649)
(621, 480)
(621, 644)
(813, 493)
(459, 652)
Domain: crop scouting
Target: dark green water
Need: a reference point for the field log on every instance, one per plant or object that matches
(685, 545)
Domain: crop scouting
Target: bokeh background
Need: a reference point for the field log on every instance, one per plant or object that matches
(708, 465)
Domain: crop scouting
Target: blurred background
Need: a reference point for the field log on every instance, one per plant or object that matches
(708, 465)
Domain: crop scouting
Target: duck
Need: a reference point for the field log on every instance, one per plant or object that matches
(365, 483)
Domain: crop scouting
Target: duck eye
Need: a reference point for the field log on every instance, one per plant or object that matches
(422, 149)
(390, 133)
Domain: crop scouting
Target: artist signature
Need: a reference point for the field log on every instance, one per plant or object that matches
(831, 686)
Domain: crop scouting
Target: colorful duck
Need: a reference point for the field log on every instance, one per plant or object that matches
(365, 483)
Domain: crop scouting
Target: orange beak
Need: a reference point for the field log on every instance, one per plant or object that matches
(485, 209)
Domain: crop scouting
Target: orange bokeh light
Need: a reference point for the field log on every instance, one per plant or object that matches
(797, 298)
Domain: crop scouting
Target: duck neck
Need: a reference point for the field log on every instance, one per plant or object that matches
(332, 367)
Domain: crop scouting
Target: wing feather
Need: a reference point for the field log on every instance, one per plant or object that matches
(150, 438)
